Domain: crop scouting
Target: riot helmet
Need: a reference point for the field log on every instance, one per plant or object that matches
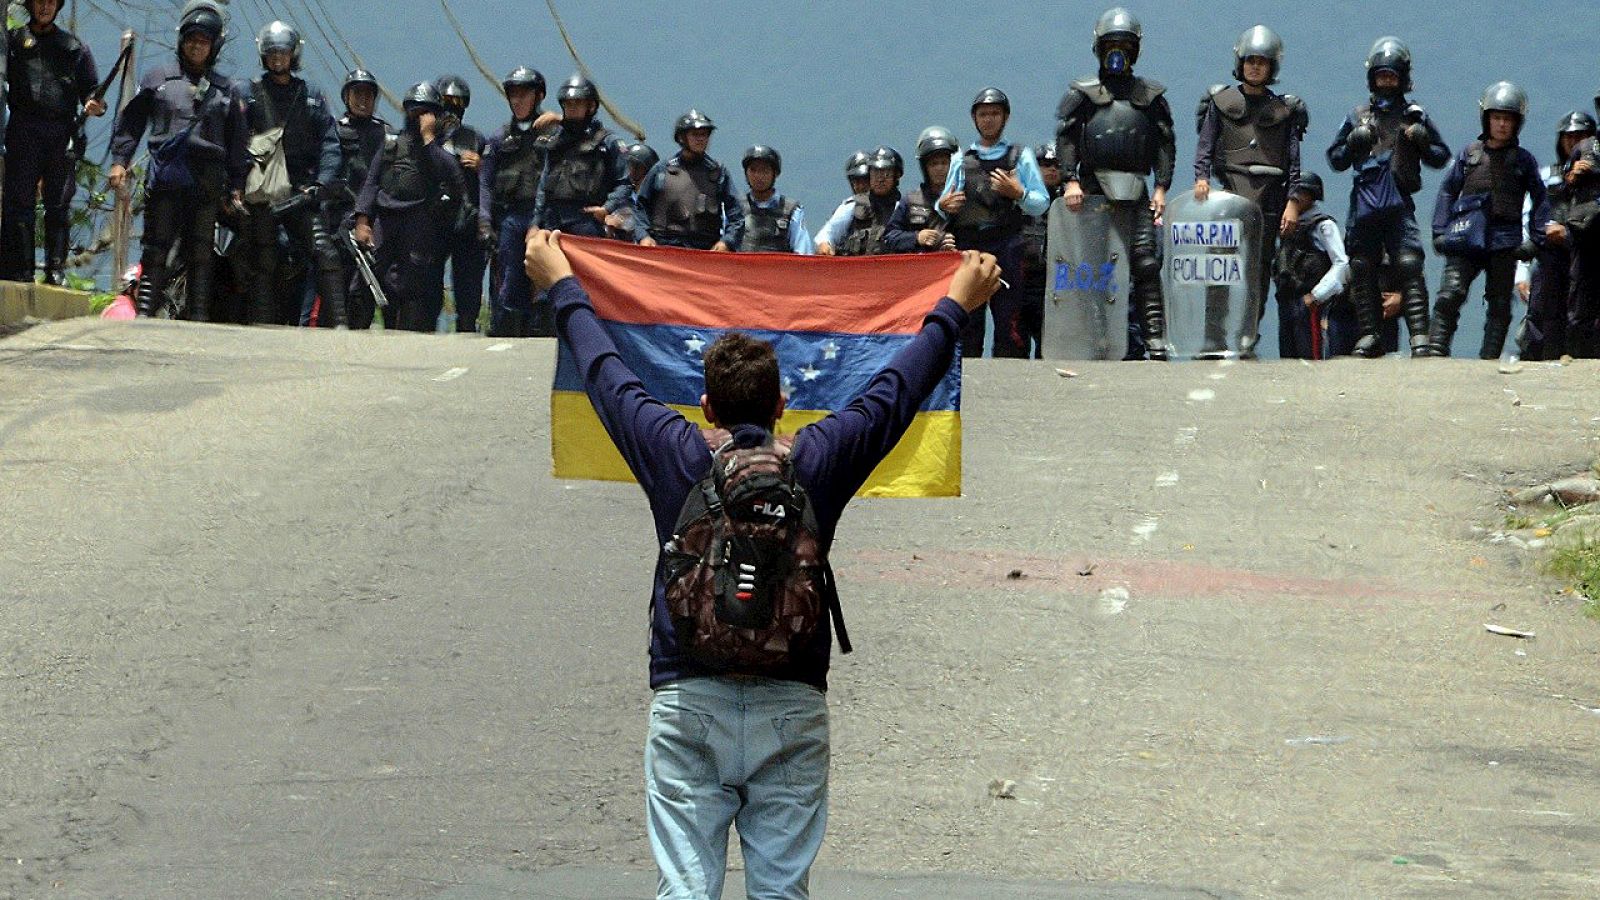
(1575, 122)
(1503, 96)
(524, 76)
(424, 95)
(280, 36)
(1047, 154)
(1309, 183)
(1389, 54)
(886, 158)
(992, 97)
(455, 86)
(934, 139)
(578, 88)
(641, 154)
(1258, 41)
(690, 121)
(763, 153)
(856, 166)
(357, 78)
(1117, 26)
(207, 18)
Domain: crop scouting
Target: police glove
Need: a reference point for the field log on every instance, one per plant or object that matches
(1527, 251)
(1360, 140)
(1418, 134)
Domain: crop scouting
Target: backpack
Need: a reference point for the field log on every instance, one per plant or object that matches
(268, 179)
(746, 582)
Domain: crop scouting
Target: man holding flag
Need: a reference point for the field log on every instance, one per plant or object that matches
(733, 743)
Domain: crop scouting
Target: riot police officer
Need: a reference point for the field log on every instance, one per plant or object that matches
(361, 135)
(1311, 271)
(860, 228)
(641, 159)
(688, 200)
(586, 169)
(407, 208)
(50, 74)
(309, 144)
(773, 223)
(916, 226)
(1113, 132)
(855, 172)
(195, 143)
(1545, 282)
(1486, 187)
(508, 178)
(467, 251)
(1387, 141)
(1036, 252)
(986, 197)
(1250, 143)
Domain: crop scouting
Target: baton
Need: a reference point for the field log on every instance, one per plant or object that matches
(364, 266)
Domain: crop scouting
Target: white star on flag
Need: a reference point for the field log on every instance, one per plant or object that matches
(810, 373)
(695, 344)
(830, 350)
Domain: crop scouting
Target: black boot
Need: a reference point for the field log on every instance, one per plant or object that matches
(1414, 306)
(1447, 310)
(199, 290)
(1368, 305)
(1494, 339)
(55, 256)
(147, 298)
(334, 311)
(1154, 315)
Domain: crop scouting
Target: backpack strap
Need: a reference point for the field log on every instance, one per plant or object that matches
(834, 611)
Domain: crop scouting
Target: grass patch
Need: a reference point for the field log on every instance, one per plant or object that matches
(1580, 567)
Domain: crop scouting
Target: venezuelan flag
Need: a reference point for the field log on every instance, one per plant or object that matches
(833, 322)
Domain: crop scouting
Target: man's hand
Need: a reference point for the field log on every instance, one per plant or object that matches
(1006, 183)
(95, 107)
(719, 247)
(470, 160)
(1310, 301)
(647, 241)
(1072, 196)
(1158, 204)
(544, 260)
(1524, 291)
(598, 212)
(1391, 304)
(428, 123)
(362, 232)
(117, 178)
(927, 237)
(948, 242)
(1202, 190)
(1579, 168)
(952, 202)
(824, 248)
(236, 202)
(976, 280)
(1555, 233)
(546, 119)
(615, 220)
(1290, 221)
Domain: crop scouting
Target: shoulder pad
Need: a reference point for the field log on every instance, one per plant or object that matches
(1146, 92)
(789, 206)
(69, 41)
(1231, 103)
(1089, 89)
(1298, 114)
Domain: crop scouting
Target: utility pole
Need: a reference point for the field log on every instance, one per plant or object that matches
(122, 214)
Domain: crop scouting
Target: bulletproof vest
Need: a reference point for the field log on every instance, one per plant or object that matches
(404, 180)
(986, 211)
(1586, 187)
(766, 228)
(921, 209)
(41, 73)
(290, 106)
(1120, 135)
(1494, 172)
(688, 201)
(518, 164)
(868, 223)
(1254, 132)
(1301, 264)
(179, 101)
(577, 171)
(466, 139)
(1388, 126)
(359, 140)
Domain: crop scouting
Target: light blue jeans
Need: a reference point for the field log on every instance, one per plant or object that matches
(734, 751)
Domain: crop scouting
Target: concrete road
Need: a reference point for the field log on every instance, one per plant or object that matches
(289, 614)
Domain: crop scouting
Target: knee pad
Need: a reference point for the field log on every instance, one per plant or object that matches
(1408, 264)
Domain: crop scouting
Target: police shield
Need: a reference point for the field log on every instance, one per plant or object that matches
(1086, 296)
(1211, 276)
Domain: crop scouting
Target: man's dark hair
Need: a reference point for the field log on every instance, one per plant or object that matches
(742, 380)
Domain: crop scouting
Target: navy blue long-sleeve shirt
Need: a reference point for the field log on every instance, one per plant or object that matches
(1503, 234)
(168, 100)
(667, 454)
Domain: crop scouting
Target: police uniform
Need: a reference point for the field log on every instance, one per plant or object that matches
(689, 203)
(412, 191)
(508, 176)
(196, 148)
(311, 149)
(465, 249)
(1035, 279)
(360, 140)
(773, 225)
(49, 76)
(1113, 132)
(866, 232)
(915, 213)
(585, 167)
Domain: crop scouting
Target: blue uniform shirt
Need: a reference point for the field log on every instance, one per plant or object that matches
(1035, 196)
(799, 239)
